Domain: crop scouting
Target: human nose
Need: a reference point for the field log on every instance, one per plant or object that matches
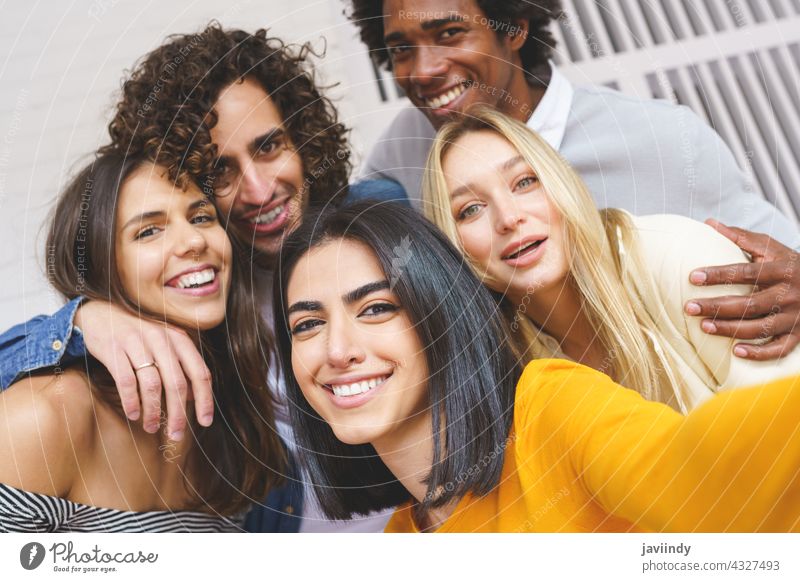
(508, 216)
(190, 241)
(344, 349)
(256, 185)
(429, 65)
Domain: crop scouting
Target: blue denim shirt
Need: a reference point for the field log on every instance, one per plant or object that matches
(52, 341)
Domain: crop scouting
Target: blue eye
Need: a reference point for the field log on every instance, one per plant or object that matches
(469, 211)
(527, 182)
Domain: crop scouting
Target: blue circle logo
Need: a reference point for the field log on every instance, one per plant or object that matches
(31, 555)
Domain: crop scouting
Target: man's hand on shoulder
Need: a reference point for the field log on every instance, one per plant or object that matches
(771, 311)
(145, 357)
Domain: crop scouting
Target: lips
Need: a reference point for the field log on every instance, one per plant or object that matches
(522, 248)
(268, 220)
(197, 276)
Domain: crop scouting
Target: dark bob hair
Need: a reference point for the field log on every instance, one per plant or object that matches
(472, 370)
(367, 15)
(239, 457)
(167, 105)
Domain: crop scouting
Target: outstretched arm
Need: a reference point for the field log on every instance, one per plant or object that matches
(733, 464)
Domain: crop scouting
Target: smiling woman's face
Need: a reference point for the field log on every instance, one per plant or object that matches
(355, 353)
(505, 219)
(172, 254)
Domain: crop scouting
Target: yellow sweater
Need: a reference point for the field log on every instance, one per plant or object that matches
(586, 455)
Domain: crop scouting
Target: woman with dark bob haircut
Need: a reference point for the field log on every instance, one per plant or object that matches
(123, 232)
(406, 392)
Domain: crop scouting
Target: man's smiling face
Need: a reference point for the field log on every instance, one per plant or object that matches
(446, 57)
(259, 188)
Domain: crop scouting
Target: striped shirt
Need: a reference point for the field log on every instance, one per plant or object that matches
(26, 512)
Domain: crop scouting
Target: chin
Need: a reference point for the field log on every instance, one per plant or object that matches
(354, 437)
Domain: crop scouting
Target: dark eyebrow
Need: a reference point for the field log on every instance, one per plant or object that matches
(143, 217)
(467, 188)
(427, 25)
(202, 203)
(364, 290)
(350, 297)
(304, 306)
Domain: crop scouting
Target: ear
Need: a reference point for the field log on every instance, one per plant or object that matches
(518, 33)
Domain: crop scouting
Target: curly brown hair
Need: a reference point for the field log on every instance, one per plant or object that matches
(166, 111)
(367, 15)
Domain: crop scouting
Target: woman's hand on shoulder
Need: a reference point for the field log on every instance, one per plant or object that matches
(46, 425)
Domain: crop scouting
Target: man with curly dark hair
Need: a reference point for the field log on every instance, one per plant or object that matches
(241, 115)
(642, 155)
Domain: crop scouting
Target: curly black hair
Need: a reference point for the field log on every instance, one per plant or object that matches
(166, 110)
(367, 15)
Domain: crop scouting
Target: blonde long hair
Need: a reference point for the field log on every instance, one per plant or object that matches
(605, 262)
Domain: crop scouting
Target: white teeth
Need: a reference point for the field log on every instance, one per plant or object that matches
(357, 387)
(195, 279)
(445, 98)
(268, 217)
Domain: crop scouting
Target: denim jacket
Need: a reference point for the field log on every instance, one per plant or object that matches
(42, 342)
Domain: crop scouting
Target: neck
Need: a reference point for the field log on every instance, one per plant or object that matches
(560, 312)
(408, 454)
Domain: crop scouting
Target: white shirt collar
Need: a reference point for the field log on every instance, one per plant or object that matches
(549, 119)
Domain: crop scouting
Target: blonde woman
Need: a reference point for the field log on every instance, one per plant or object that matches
(603, 288)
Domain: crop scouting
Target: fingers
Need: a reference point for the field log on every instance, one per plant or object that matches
(764, 327)
(778, 347)
(736, 307)
(182, 369)
(738, 274)
(199, 380)
(758, 245)
(174, 382)
(148, 379)
(121, 371)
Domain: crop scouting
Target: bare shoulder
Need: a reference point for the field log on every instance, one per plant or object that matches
(46, 423)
